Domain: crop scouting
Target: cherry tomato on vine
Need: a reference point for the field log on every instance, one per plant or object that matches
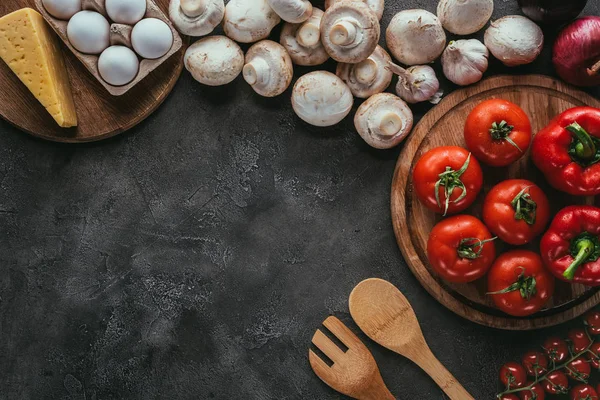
(584, 392)
(516, 211)
(498, 132)
(535, 363)
(594, 355)
(447, 179)
(579, 369)
(592, 320)
(519, 284)
(556, 349)
(513, 375)
(460, 249)
(579, 340)
(535, 393)
(556, 383)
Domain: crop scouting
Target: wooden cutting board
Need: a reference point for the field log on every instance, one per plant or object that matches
(542, 98)
(100, 115)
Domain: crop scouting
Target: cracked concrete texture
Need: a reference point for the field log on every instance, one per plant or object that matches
(194, 256)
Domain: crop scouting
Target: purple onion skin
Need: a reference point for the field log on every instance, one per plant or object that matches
(552, 11)
(576, 49)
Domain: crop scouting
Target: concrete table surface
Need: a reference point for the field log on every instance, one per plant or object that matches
(194, 256)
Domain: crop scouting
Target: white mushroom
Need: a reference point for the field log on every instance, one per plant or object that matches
(268, 68)
(303, 41)
(196, 17)
(369, 76)
(248, 21)
(320, 98)
(349, 31)
(415, 37)
(464, 17)
(383, 121)
(214, 60)
(375, 5)
(294, 11)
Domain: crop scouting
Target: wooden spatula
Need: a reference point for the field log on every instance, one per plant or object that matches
(384, 315)
(354, 372)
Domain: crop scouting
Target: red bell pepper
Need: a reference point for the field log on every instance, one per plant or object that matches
(571, 246)
(568, 151)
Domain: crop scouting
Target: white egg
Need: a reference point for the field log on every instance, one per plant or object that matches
(126, 11)
(151, 38)
(62, 9)
(118, 65)
(89, 32)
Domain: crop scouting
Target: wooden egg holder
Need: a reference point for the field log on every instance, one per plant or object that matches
(119, 35)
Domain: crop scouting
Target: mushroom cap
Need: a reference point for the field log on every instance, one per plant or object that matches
(303, 41)
(463, 17)
(268, 68)
(376, 6)
(415, 37)
(349, 31)
(248, 21)
(514, 40)
(320, 98)
(214, 60)
(196, 17)
(383, 121)
(294, 11)
(368, 77)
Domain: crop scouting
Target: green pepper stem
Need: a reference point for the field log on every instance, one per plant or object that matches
(585, 248)
(585, 149)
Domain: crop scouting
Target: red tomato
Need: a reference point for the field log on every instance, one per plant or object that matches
(579, 340)
(579, 369)
(535, 363)
(513, 375)
(516, 211)
(592, 320)
(556, 349)
(456, 174)
(594, 355)
(498, 132)
(519, 284)
(584, 392)
(556, 383)
(535, 393)
(460, 249)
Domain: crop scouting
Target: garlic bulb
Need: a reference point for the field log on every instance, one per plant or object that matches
(417, 84)
(465, 61)
(464, 17)
(514, 40)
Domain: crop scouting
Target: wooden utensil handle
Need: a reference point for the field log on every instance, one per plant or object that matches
(434, 368)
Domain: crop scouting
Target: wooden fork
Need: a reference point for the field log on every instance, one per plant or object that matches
(354, 372)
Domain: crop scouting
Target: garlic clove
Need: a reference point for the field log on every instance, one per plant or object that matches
(383, 121)
(417, 84)
(465, 61)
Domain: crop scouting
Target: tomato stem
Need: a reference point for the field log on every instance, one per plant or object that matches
(466, 248)
(524, 206)
(594, 69)
(501, 131)
(584, 248)
(450, 180)
(583, 147)
(526, 285)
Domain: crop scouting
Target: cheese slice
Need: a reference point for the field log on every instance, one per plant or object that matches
(31, 49)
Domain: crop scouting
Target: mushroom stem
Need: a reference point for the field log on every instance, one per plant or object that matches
(256, 71)
(343, 33)
(390, 124)
(366, 71)
(308, 35)
(193, 8)
(594, 69)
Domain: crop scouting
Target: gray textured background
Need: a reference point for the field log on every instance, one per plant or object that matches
(194, 256)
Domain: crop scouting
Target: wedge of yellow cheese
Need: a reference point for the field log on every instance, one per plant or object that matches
(31, 49)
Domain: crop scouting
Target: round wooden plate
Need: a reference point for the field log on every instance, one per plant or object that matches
(100, 115)
(542, 98)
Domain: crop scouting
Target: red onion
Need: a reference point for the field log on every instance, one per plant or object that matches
(552, 11)
(577, 52)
